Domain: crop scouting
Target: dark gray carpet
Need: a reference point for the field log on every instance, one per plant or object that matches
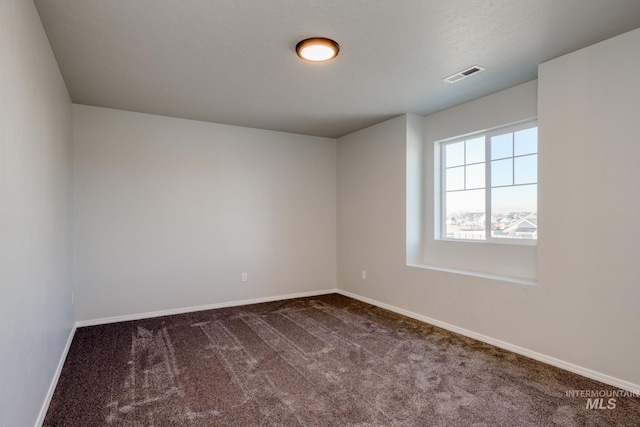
(321, 361)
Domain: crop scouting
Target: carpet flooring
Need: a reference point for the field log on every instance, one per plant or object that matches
(319, 361)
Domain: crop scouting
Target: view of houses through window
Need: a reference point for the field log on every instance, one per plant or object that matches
(489, 185)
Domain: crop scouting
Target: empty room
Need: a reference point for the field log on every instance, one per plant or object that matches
(315, 213)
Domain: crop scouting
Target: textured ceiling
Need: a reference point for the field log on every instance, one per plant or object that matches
(233, 61)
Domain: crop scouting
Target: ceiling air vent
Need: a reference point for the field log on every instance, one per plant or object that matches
(464, 74)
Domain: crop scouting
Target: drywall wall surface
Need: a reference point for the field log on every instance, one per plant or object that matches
(371, 208)
(169, 213)
(374, 226)
(36, 312)
(584, 307)
(590, 193)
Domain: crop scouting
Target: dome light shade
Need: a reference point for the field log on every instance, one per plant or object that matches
(317, 49)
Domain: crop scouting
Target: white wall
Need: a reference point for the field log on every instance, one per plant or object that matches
(590, 192)
(36, 314)
(371, 208)
(583, 310)
(170, 212)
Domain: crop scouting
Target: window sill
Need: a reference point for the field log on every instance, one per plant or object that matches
(501, 277)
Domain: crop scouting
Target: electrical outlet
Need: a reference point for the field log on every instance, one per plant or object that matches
(245, 277)
(364, 275)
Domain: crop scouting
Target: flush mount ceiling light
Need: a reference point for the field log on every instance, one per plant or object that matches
(317, 49)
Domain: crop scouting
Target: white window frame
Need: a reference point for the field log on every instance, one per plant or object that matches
(440, 183)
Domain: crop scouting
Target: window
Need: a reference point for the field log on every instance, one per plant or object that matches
(488, 186)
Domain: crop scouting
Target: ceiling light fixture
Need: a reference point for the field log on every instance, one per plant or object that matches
(317, 49)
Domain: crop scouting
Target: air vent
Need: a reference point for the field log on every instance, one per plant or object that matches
(464, 74)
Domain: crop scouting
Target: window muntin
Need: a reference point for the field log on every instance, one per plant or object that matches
(490, 175)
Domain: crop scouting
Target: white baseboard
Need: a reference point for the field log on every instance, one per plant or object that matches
(169, 312)
(54, 381)
(603, 378)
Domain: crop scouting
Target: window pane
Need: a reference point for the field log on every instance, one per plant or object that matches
(455, 178)
(454, 154)
(475, 176)
(526, 169)
(526, 141)
(475, 150)
(502, 146)
(521, 198)
(501, 172)
(514, 213)
(465, 215)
